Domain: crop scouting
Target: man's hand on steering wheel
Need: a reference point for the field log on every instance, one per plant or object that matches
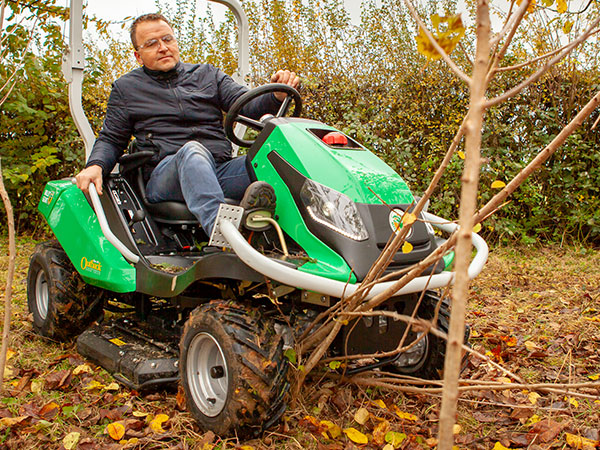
(285, 77)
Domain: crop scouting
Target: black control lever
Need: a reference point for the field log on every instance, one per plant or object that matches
(138, 216)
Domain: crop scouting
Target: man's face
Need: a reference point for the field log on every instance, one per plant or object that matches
(161, 57)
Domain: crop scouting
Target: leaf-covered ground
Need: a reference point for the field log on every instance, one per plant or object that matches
(536, 312)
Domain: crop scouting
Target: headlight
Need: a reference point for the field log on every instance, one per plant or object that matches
(333, 209)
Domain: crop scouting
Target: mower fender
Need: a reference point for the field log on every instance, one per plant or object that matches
(76, 227)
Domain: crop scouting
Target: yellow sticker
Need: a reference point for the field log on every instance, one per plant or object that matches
(118, 342)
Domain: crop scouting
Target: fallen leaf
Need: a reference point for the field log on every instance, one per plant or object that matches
(246, 447)
(461, 154)
(49, 411)
(499, 446)
(561, 6)
(407, 247)
(580, 442)
(139, 414)
(533, 397)
(361, 416)
(12, 421)
(334, 430)
(10, 353)
(36, 386)
(573, 402)
(456, 429)
(70, 440)
(380, 431)
(388, 447)
(356, 436)
(116, 430)
(112, 387)
(546, 430)
(156, 423)
(83, 368)
(404, 415)
(595, 377)
(394, 438)
(379, 403)
(498, 184)
(477, 228)
(93, 385)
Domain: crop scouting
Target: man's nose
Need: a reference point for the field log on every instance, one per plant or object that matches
(162, 46)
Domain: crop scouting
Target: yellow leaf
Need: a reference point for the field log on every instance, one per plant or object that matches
(388, 447)
(409, 218)
(499, 446)
(139, 414)
(532, 420)
(156, 423)
(379, 403)
(533, 397)
(380, 431)
(405, 415)
(561, 6)
(361, 416)
(10, 353)
(112, 387)
(115, 430)
(407, 247)
(36, 386)
(548, 3)
(567, 27)
(461, 154)
(356, 436)
(595, 377)
(573, 402)
(447, 31)
(9, 373)
(333, 430)
(531, 6)
(70, 440)
(83, 368)
(456, 429)
(246, 447)
(498, 184)
(580, 442)
(94, 385)
(477, 228)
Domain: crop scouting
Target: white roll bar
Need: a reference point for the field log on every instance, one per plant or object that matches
(108, 234)
(293, 277)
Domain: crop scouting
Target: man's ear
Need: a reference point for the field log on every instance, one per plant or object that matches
(138, 57)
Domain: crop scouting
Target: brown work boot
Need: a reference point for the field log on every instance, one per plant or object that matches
(259, 201)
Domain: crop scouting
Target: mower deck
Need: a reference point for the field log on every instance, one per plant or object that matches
(135, 359)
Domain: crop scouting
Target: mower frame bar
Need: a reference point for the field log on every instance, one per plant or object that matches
(292, 277)
(108, 234)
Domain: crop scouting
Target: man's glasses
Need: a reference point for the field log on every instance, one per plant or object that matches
(152, 44)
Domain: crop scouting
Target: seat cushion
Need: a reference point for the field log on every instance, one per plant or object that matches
(176, 213)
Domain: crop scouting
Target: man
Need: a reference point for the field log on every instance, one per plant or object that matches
(175, 109)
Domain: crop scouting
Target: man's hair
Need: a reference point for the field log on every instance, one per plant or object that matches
(151, 17)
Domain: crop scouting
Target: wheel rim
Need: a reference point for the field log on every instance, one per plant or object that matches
(207, 374)
(41, 294)
(414, 358)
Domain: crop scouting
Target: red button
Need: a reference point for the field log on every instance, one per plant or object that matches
(335, 138)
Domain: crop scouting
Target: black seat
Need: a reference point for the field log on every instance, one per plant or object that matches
(171, 212)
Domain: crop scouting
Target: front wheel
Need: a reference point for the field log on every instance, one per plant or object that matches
(426, 358)
(232, 369)
(61, 303)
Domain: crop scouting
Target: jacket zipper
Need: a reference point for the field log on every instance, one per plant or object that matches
(177, 97)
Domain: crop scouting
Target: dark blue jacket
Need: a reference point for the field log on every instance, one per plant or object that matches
(164, 110)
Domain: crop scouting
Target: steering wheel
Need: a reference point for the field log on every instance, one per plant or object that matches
(234, 116)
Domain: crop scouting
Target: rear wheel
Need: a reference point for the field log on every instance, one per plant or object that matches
(61, 303)
(232, 369)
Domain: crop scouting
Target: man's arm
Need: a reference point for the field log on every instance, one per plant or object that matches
(230, 91)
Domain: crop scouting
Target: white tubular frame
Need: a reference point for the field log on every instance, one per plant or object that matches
(292, 277)
(127, 254)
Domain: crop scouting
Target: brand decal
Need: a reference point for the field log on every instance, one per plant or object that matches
(93, 265)
(47, 196)
(395, 221)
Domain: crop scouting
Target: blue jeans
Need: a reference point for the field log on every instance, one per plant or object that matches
(192, 176)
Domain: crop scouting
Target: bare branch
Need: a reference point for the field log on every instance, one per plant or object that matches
(536, 76)
(459, 73)
(510, 23)
(12, 252)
